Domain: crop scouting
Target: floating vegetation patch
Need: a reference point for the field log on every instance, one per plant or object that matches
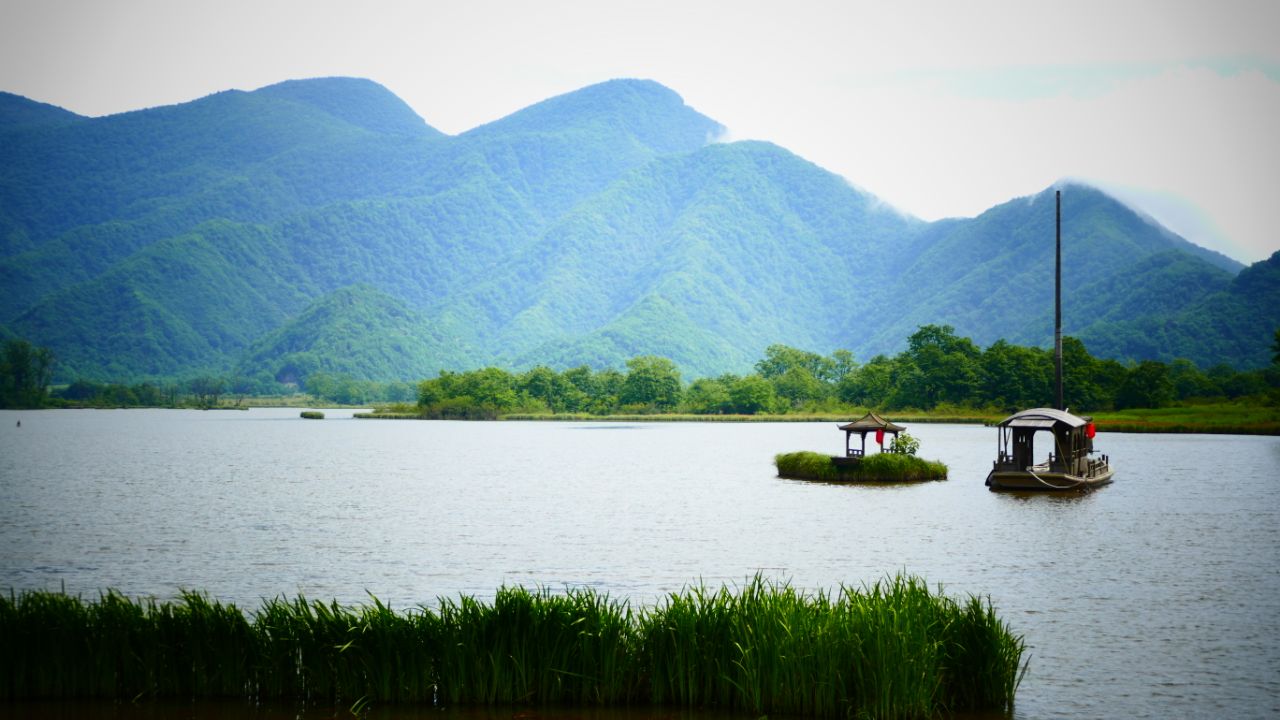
(312, 415)
(893, 649)
(879, 467)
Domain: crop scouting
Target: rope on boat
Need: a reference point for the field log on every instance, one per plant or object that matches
(1048, 484)
(1082, 481)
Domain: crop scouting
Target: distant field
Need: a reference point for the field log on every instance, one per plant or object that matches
(1223, 418)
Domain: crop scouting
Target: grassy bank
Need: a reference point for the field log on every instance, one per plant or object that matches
(892, 650)
(1223, 418)
(879, 467)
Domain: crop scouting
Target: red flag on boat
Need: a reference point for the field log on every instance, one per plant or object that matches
(879, 436)
(1090, 430)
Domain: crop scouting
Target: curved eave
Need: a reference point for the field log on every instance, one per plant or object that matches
(1043, 418)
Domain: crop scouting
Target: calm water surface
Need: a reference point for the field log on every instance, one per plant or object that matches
(1158, 596)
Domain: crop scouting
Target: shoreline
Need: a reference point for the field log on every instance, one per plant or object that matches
(1128, 422)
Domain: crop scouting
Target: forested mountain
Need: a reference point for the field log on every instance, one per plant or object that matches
(356, 331)
(19, 113)
(322, 226)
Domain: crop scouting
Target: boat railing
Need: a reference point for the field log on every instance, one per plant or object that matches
(1098, 466)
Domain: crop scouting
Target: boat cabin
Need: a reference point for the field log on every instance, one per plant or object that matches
(869, 423)
(1069, 438)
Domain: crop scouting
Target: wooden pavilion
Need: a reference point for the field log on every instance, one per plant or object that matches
(870, 422)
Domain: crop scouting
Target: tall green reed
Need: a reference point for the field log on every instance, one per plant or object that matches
(889, 650)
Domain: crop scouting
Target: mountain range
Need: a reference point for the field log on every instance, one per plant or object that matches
(321, 225)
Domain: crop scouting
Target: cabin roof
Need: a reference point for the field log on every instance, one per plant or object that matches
(1043, 418)
(871, 421)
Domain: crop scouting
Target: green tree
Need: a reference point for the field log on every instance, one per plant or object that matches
(904, 443)
(207, 389)
(475, 394)
(937, 366)
(1146, 386)
(652, 382)
(870, 385)
(843, 365)
(1012, 377)
(608, 384)
(25, 372)
(490, 388)
(708, 396)
(798, 386)
(1190, 382)
(778, 359)
(752, 394)
(1084, 387)
(543, 385)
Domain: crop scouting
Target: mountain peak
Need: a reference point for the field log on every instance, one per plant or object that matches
(655, 114)
(1088, 193)
(359, 101)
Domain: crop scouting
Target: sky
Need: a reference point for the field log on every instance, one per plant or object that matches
(940, 109)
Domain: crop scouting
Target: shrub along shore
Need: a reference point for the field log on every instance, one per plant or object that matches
(893, 649)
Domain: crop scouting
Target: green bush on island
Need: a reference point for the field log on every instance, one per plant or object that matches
(904, 443)
(312, 415)
(893, 649)
(878, 467)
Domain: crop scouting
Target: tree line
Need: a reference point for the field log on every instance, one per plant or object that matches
(938, 369)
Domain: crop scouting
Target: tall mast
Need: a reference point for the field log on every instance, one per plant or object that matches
(1057, 303)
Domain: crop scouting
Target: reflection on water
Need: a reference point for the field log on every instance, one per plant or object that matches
(1158, 595)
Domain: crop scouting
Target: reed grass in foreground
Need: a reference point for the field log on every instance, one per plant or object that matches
(879, 467)
(891, 650)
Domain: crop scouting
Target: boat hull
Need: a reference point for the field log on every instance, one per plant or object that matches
(1048, 481)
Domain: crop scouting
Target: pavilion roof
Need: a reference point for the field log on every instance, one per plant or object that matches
(871, 421)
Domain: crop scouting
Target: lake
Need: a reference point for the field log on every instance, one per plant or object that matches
(1156, 596)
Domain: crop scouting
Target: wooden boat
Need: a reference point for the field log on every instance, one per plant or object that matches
(1069, 465)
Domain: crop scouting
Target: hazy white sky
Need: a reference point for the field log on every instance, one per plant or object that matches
(939, 108)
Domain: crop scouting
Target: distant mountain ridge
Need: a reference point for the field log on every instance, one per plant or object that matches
(322, 226)
(17, 112)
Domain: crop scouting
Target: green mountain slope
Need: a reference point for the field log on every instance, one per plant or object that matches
(356, 331)
(321, 225)
(183, 305)
(1215, 323)
(78, 198)
(440, 213)
(356, 101)
(992, 277)
(750, 243)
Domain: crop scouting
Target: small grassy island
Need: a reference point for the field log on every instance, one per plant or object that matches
(881, 467)
(893, 649)
(899, 464)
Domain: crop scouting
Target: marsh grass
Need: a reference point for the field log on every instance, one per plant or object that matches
(1225, 418)
(878, 467)
(893, 649)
